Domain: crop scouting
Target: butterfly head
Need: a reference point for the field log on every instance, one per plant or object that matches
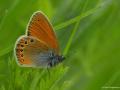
(61, 58)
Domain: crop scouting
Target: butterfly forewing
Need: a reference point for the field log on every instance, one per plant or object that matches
(40, 28)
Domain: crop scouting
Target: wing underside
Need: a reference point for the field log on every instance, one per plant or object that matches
(31, 52)
(40, 27)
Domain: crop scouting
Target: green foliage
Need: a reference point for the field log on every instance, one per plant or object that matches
(89, 36)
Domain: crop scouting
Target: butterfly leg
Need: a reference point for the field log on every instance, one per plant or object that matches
(48, 70)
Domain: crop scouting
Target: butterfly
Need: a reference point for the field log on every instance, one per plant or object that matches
(39, 47)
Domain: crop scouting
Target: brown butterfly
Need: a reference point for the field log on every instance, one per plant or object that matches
(39, 47)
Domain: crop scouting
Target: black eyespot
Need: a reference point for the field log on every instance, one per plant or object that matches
(21, 50)
(22, 45)
(21, 55)
(38, 20)
(25, 42)
(31, 40)
(22, 60)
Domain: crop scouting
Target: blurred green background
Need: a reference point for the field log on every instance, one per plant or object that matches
(89, 36)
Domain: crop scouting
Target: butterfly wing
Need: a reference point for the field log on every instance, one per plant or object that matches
(40, 28)
(31, 52)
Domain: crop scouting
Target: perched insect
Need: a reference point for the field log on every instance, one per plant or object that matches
(39, 47)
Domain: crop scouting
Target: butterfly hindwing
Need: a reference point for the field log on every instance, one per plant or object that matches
(40, 28)
(29, 51)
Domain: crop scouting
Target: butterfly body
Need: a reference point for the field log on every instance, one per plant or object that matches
(54, 59)
(39, 47)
